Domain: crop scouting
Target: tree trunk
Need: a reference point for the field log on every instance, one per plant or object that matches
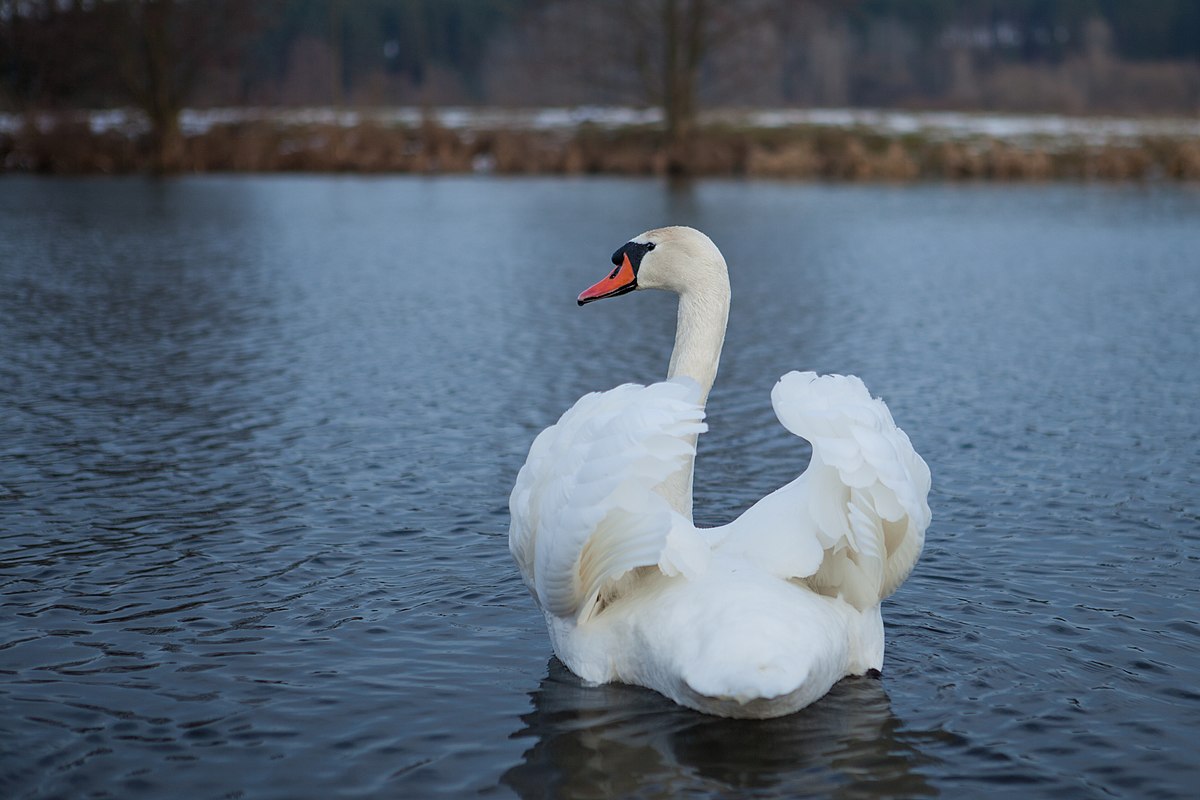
(167, 141)
(683, 29)
(161, 100)
(152, 72)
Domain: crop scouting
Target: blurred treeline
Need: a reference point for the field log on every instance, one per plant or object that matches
(1037, 55)
(158, 57)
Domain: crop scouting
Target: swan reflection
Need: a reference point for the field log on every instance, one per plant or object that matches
(620, 741)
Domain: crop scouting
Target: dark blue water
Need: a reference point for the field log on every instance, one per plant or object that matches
(257, 436)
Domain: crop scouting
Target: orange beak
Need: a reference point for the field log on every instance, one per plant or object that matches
(619, 281)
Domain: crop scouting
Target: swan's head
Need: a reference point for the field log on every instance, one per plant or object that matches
(676, 259)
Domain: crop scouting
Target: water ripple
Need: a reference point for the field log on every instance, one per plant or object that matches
(259, 434)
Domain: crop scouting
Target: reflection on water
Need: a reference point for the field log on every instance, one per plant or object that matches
(592, 743)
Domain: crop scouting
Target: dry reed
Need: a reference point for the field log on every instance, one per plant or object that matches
(826, 153)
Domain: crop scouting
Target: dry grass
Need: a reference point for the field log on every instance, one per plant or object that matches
(850, 154)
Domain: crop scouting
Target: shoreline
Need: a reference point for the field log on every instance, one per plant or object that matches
(819, 144)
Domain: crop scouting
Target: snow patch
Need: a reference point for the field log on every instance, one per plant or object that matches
(1049, 129)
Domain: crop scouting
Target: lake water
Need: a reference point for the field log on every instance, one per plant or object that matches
(258, 434)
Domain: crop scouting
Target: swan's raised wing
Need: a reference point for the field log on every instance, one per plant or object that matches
(854, 523)
(584, 509)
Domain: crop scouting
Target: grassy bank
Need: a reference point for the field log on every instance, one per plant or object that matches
(723, 147)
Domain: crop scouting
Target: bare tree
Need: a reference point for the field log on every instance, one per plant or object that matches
(663, 53)
(151, 53)
(161, 47)
(704, 47)
(684, 42)
(153, 74)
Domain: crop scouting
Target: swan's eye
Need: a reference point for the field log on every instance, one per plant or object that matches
(649, 246)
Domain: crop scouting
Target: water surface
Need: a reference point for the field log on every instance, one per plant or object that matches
(258, 435)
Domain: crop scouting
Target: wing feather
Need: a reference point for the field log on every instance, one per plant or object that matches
(584, 508)
(854, 523)
(856, 443)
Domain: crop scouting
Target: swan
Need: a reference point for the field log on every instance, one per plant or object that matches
(756, 618)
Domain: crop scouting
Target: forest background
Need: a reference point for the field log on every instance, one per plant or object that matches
(689, 67)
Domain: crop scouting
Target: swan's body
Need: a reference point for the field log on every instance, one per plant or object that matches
(757, 618)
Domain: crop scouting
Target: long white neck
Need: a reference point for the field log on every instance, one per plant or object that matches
(699, 335)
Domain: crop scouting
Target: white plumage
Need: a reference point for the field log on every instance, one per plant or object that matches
(584, 509)
(756, 618)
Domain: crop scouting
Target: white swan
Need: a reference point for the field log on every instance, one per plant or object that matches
(757, 618)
